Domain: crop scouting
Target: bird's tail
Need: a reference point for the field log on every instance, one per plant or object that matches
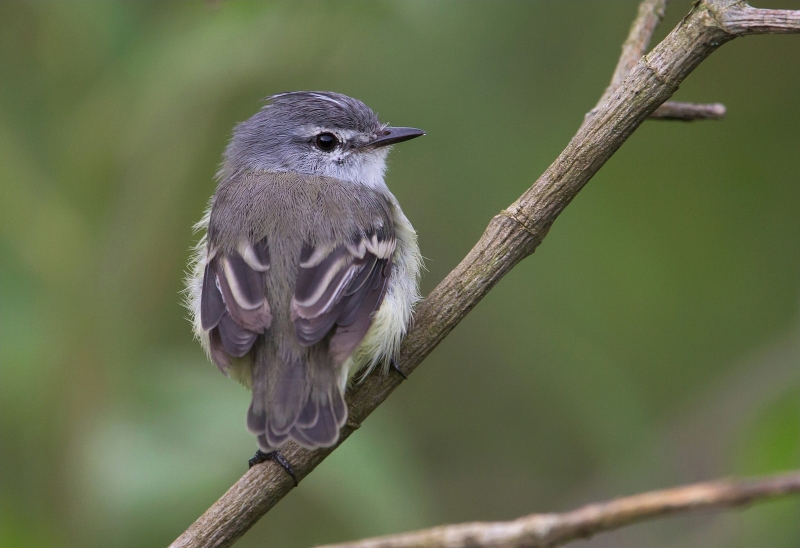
(296, 399)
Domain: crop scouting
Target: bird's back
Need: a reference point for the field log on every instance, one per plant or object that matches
(291, 211)
(299, 360)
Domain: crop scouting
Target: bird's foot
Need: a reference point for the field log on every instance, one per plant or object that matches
(393, 365)
(275, 457)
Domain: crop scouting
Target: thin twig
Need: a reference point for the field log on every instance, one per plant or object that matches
(686, 112)
(651, 12)
(510, 237)
(549, 530)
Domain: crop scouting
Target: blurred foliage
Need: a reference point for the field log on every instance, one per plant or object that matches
(652, 340)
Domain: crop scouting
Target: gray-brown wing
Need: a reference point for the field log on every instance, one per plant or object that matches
(233, 304)
(339, 289)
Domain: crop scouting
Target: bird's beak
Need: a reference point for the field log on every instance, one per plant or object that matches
(391, 135)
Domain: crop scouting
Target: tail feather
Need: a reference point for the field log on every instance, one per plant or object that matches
(298, 436)
(338, 406)
(299, 400)
(309, 415)
(289, 396)
(325, 431)
(274, 439)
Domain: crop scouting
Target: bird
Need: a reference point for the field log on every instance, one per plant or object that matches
(307, 270)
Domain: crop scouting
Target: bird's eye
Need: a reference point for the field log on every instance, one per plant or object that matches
(326, 142)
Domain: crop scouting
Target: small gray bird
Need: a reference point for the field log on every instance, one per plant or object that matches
(308, 269)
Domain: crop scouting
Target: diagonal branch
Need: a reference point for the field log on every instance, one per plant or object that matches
(549, 530)
(511, 236)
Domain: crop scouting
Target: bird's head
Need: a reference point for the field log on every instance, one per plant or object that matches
(315, 133)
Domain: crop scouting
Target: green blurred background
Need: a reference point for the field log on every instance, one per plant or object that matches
(653, 339)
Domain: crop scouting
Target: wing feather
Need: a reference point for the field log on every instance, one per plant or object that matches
(212, 307)
(337, 294)
(354, 325)
(235, 339)
(233, 303)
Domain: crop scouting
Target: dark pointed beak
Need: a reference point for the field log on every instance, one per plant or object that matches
(393, 135)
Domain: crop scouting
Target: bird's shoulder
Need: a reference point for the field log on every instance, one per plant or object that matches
(254, 205)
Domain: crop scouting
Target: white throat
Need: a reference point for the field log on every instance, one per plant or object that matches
(362, 168)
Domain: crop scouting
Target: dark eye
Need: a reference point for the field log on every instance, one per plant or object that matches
(326, 142)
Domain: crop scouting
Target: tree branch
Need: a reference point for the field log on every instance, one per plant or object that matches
(686, 112)
(743, 20)
(511, 236)
(549, 530)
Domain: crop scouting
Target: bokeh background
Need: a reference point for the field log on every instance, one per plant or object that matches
(652, 340)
